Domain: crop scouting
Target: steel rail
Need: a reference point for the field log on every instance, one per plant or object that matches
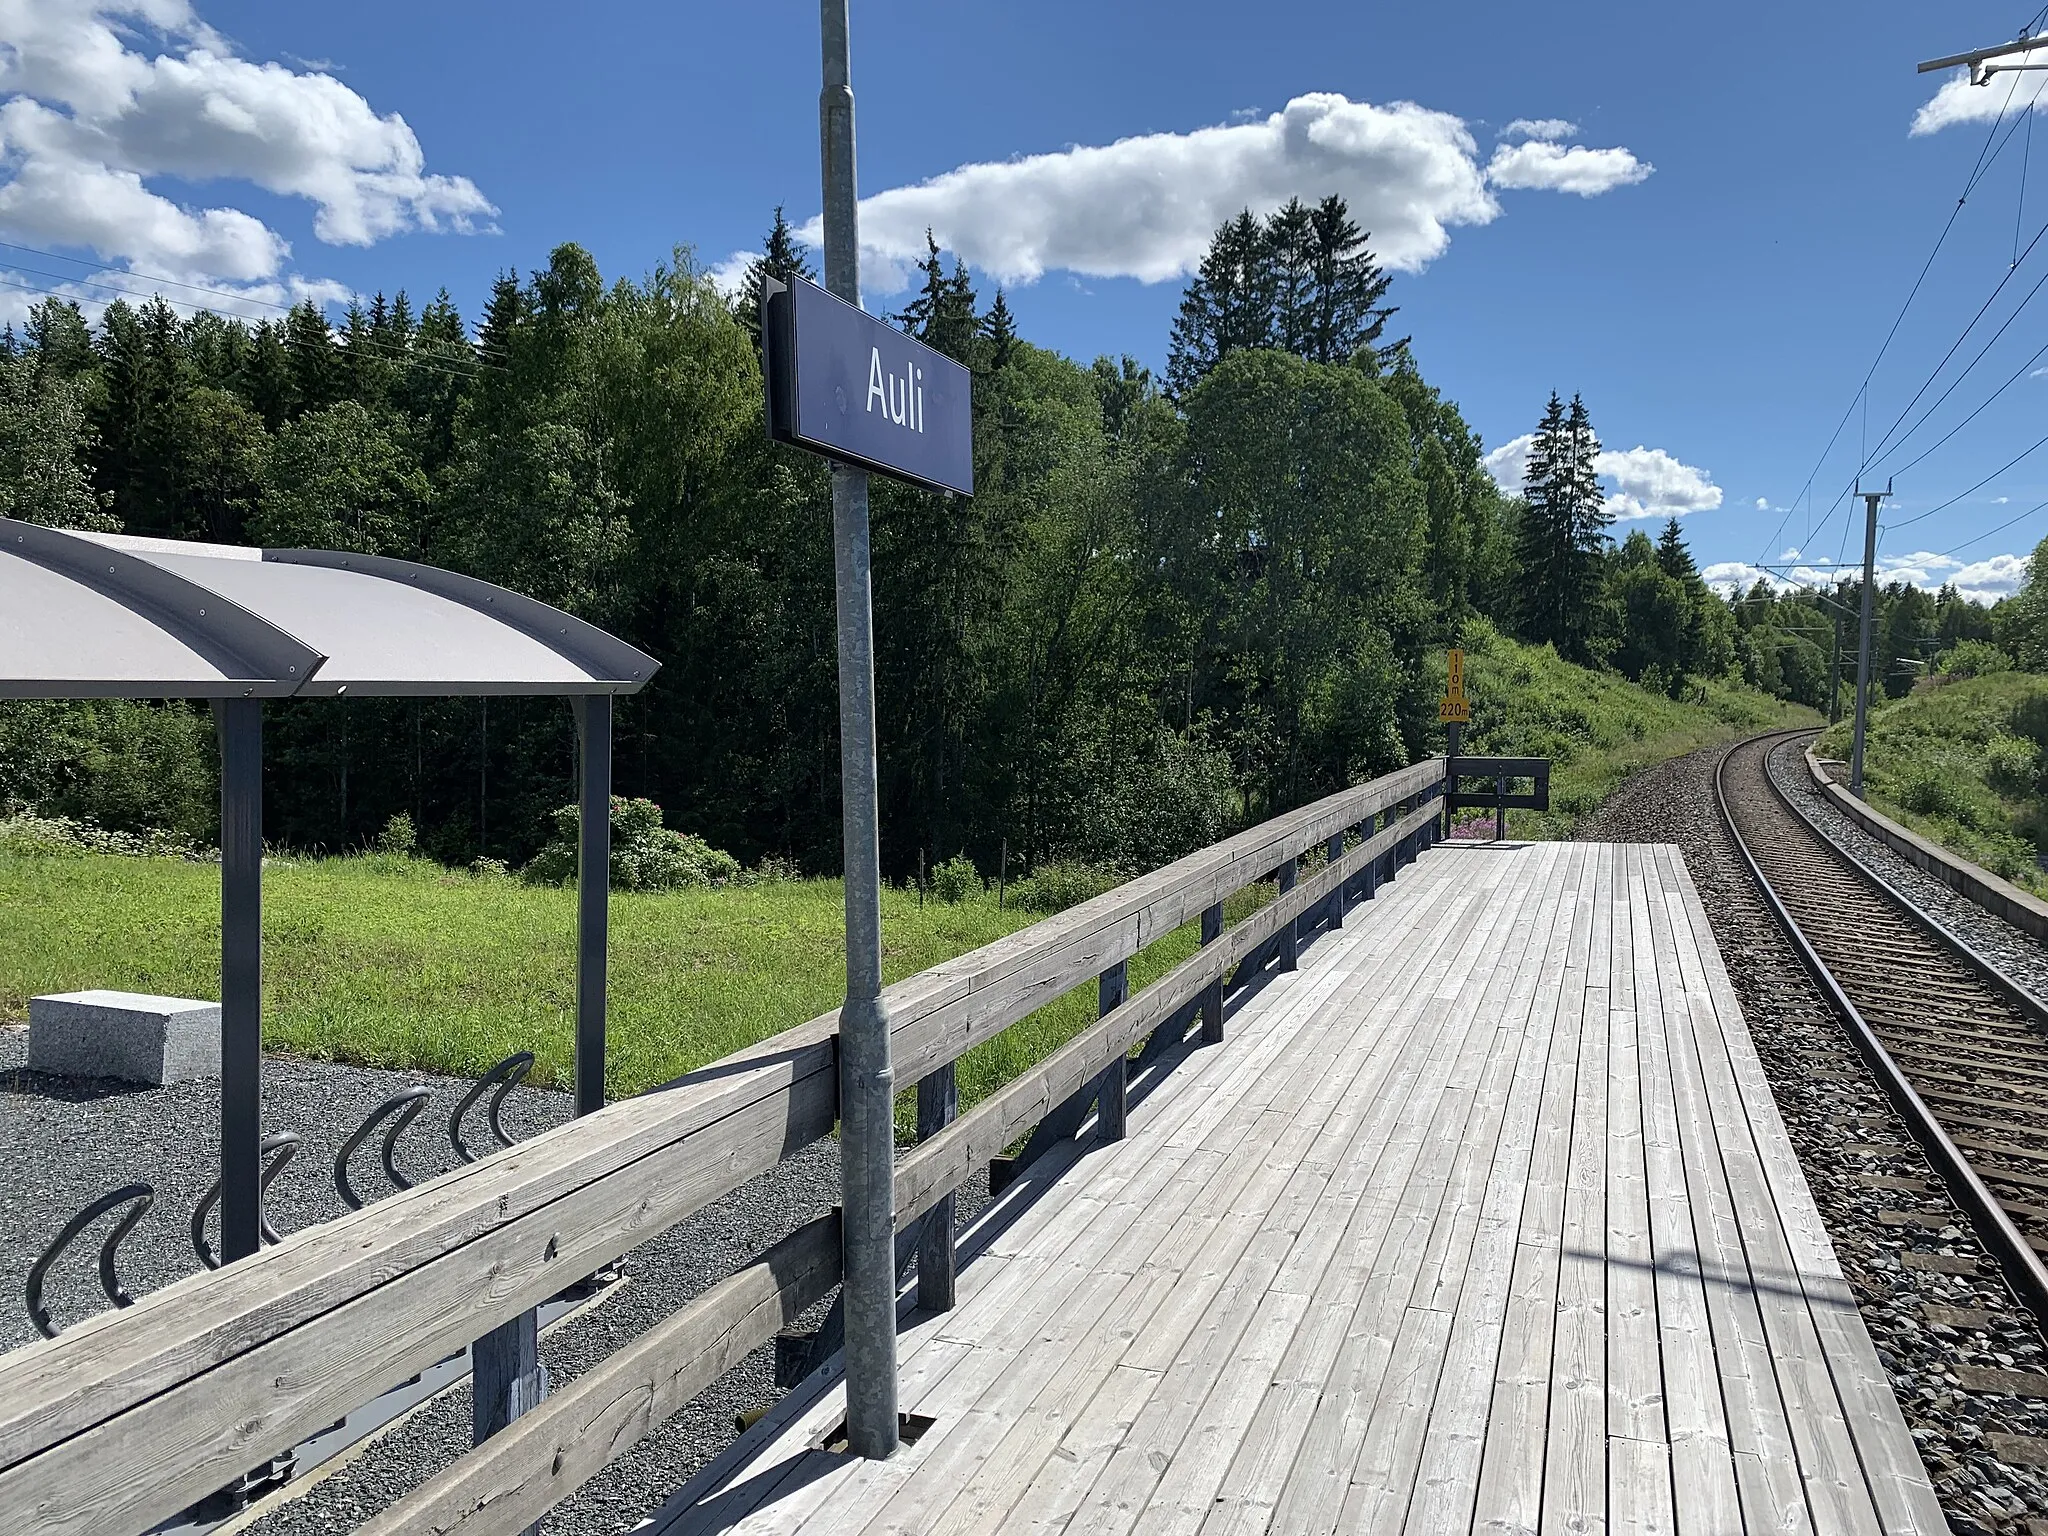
(2009, 1248)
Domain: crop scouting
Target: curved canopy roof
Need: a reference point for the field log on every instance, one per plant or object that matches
(88, 615)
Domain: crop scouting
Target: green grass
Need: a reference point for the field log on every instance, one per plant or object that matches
(402, 964)
(1931, 764)
(1597, 728)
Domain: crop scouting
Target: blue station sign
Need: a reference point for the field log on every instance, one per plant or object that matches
(849, 386)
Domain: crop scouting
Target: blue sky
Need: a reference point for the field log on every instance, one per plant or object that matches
(1760, 202)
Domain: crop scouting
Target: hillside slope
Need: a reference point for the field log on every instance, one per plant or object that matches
(1596, 727)
(1962, 763)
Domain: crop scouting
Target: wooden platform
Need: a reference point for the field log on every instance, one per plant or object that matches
(1483, 1220)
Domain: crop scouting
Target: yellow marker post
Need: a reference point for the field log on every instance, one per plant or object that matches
(1453, 710)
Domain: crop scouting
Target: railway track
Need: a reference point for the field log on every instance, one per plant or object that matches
(1961, 1050)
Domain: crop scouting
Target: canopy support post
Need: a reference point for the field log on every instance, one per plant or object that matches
(239, 725)
(593, 893)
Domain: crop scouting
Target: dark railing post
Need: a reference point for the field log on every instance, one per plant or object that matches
(1334, 852)
(1369, 876)
(1290, 935)
(1212, 995)
(1111, 989)
(938, 1101)
(1500, 808)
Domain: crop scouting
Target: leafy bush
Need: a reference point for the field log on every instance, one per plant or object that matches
(1929, 792)
(2012, 765)
(646, 856)
(1058, 886)
(956, 879)
(2029, 719)
(1972, 658)
(398, 837)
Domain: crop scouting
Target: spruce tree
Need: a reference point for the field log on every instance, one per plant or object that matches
(942, 315)
(60, 340)
(1348, 288)
(1291, 258)
(496, 334)
(916, 317)
(781, 259)
(1673, 558)
(1564, 532)
(266, 378)
(998, 333)
(309, 349)
(1228, 305)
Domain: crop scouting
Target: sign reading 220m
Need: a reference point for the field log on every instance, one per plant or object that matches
(849, 386)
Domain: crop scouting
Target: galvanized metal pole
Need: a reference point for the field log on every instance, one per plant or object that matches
(593, 893)
(1870, 501)
(867, 1078)
(239, 725)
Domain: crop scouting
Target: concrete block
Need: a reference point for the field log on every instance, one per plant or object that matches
(139, 1039)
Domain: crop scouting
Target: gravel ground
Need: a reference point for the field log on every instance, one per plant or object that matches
(1928, 1323)
(2017, 953)
(66, 1141)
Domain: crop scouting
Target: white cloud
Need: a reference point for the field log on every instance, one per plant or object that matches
(1958, 101)
(1763, 503)
(1548, 167)
(1984, 581)
(1648, 482)
(1146, 207)
(1509, 463)
(104, 97)
(1549, 129)
(727, 275)
(1789, 555)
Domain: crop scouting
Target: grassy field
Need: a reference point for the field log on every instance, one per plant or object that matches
(1946, 762)
(1597, 728)
(400, 963)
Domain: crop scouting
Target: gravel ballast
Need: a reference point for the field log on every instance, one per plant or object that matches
(67, 1141)
(1931, 1296)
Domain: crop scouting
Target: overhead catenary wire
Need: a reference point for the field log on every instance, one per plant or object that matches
(2034, 447)
(1990, 533)
(1977, 171)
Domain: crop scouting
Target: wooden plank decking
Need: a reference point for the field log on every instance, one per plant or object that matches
(1483, 1220)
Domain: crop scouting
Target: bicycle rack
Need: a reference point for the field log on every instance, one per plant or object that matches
(144, 1197)
(506, 1074)
(408, 1103)
(279, 1147)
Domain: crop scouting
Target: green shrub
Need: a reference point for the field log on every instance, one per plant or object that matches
(1056, 887)
(1928, 791)
(398, 837)
(1972, 658)
(2029, 719)
(646, 856)
(956, 879)
(2012, 765)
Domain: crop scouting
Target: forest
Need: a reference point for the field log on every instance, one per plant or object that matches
(1175, 604)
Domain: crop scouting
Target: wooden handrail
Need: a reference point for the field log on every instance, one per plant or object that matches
(206, 1377)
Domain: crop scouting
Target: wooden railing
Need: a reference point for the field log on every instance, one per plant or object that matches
(133, 1415)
